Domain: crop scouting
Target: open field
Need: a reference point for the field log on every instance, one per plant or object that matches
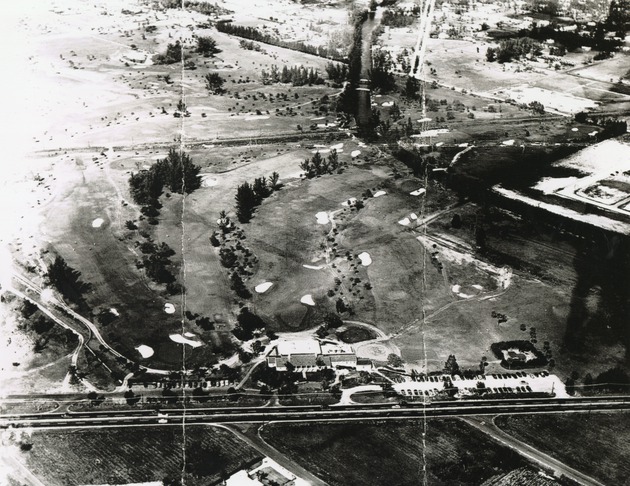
(134, 455)
(596, 444)
(394, 453)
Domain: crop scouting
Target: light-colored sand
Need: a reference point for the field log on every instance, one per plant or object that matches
(508, 143)
(418, 192)
(322, 217)
(256, 117)
(338, 146)
(307, 300)
(313, 267)
(145, 351)
(178, 338)
(97, 223)
(404, 222)
(190, 334)
(114, 311)
(365, 258)
(263, 287)
(349, 202)
(379, 194)
(169, 308)
(355, 153)
(387, 103)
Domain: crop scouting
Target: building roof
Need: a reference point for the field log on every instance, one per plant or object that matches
(329, 348)
(298, 346)
(302, 360)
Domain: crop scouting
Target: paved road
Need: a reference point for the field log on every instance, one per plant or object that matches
(560, 469)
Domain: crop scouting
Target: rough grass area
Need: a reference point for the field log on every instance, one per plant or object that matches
(131, 455)
(597, 444)
(392, 453)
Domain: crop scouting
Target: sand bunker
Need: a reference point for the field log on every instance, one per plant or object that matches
(263, 287)
(307, 300)
(338, 146)
(387, 103)
(355, 153)
(379, 194)
(256, 117)
(349, 202)
(145, 351)
(508, 142)
(114, 311)
(365, 258)
(313, 267)
(418, 192)
(97, 223)
(207, 181)
(404, 222)
(178, 338)
(169, 308)
(190, 334)
(322, 217)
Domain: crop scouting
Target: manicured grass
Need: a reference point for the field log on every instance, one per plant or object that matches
(133, 454)
(394, 453)
(597, 444)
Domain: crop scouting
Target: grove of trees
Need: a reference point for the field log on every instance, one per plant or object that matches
(249, 196)
(296, 75)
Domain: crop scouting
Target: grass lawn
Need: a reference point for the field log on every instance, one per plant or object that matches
(596, 443)
(393, 453)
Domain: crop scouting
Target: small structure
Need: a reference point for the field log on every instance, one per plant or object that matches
(265, 473)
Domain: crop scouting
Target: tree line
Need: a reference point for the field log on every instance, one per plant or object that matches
(250, 196)
(254, 34)
(400, 18)
(318, 165)
(513, 49)
(296, 75)
(176, 171)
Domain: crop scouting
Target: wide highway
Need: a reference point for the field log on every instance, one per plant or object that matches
(316, 412)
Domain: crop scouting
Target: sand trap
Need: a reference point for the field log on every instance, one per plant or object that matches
(207, 181)
(313, 267)
(337, 146)
(322, 217)
(439, 144)
(463, 145)
(404, 222)
(355, 153)
(114, 311)
(256, 117)
(455, 289)
(592, 134)
(424, 120)
(263, 287)
(574, 129)
(431, 133)
(365, 258)
(145, 351)
(97, 223)
(387, 103)
(413, 216)
(307, 300)
(508, 142)
(477, 286)
(379, 194)
(178, 338)
(349, 202)
(169, 308)
(418, 192)
(321, 151)
(190, 334)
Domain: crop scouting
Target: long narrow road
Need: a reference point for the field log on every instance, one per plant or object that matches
(560, 469)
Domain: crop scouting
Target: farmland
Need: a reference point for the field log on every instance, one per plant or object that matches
(596, 444)
(135, 454)
(394, 453)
